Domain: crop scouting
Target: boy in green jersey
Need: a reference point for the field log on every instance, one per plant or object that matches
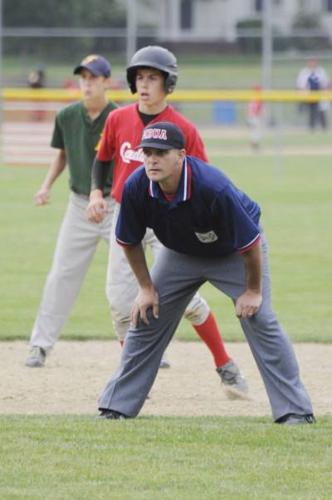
(77, 131)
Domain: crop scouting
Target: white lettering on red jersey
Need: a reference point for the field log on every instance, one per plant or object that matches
(129, 154)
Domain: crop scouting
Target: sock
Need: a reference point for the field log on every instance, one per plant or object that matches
(209, 333)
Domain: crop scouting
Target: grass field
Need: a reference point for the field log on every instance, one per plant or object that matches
(227, 71)
(163, 458)
(211, 458)
(210, 71)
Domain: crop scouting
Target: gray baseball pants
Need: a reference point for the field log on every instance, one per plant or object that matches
(177, 277)
(76, 245)
(122, 284)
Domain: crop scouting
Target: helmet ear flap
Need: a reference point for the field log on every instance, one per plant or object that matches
(170, 83)
(131, 79)
(132, 86)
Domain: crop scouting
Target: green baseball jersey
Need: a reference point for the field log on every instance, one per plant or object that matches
(78, 136)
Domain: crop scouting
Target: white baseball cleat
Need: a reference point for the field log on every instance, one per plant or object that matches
(36, 358)
(164, 363)
(234, 384)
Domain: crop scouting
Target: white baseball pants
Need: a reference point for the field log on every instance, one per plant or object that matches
(76, 245)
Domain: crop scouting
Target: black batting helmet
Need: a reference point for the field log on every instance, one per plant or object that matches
(155, 57)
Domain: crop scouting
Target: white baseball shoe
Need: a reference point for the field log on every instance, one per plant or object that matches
(164, 363)
(36, 358)
(234, 384)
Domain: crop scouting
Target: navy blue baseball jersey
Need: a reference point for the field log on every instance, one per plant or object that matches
(208, 217)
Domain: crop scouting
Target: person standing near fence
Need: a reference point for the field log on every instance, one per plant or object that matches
(255, 110)
(152, 73)
(314, 78)
(77, 131)
(37, 80)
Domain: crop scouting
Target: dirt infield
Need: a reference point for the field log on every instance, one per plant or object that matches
(75, 373)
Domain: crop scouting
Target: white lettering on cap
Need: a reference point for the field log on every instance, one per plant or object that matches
(155, 133)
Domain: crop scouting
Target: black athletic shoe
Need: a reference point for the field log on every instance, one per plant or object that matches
(295, 419)
(111, 415)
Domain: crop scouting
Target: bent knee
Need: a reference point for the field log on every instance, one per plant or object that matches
(197, 310)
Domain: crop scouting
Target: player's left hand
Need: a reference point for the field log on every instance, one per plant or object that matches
(97, 210)
(147, 298)
(42, 196)
(248, 304)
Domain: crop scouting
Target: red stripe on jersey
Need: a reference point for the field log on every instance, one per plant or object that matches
(169, 197)
(124, 243)
(252, 243)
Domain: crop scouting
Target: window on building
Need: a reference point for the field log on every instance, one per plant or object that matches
(327, 5)
(258, 5)
(186, 14)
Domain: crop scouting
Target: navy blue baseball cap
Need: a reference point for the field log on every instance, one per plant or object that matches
(162, 135)
(98, 66)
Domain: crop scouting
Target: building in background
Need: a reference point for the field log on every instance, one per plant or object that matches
(208, 20)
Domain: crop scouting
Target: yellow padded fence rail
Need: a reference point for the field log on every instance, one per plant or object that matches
(181, 95)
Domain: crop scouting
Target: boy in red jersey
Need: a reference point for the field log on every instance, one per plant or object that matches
(152, 73)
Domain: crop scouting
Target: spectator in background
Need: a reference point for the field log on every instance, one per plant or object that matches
(255, 110)
(36, 80)
(314, 78)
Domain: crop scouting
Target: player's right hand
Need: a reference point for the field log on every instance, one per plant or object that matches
(42, 197)
(248, 304)
(146, 299)
(97, 209)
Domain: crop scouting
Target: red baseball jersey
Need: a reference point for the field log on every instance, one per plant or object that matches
(122, 134)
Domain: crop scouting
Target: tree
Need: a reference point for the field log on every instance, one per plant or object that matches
(309, 22)
(64, 13)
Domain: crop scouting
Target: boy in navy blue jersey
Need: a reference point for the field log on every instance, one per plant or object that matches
(211, 232)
